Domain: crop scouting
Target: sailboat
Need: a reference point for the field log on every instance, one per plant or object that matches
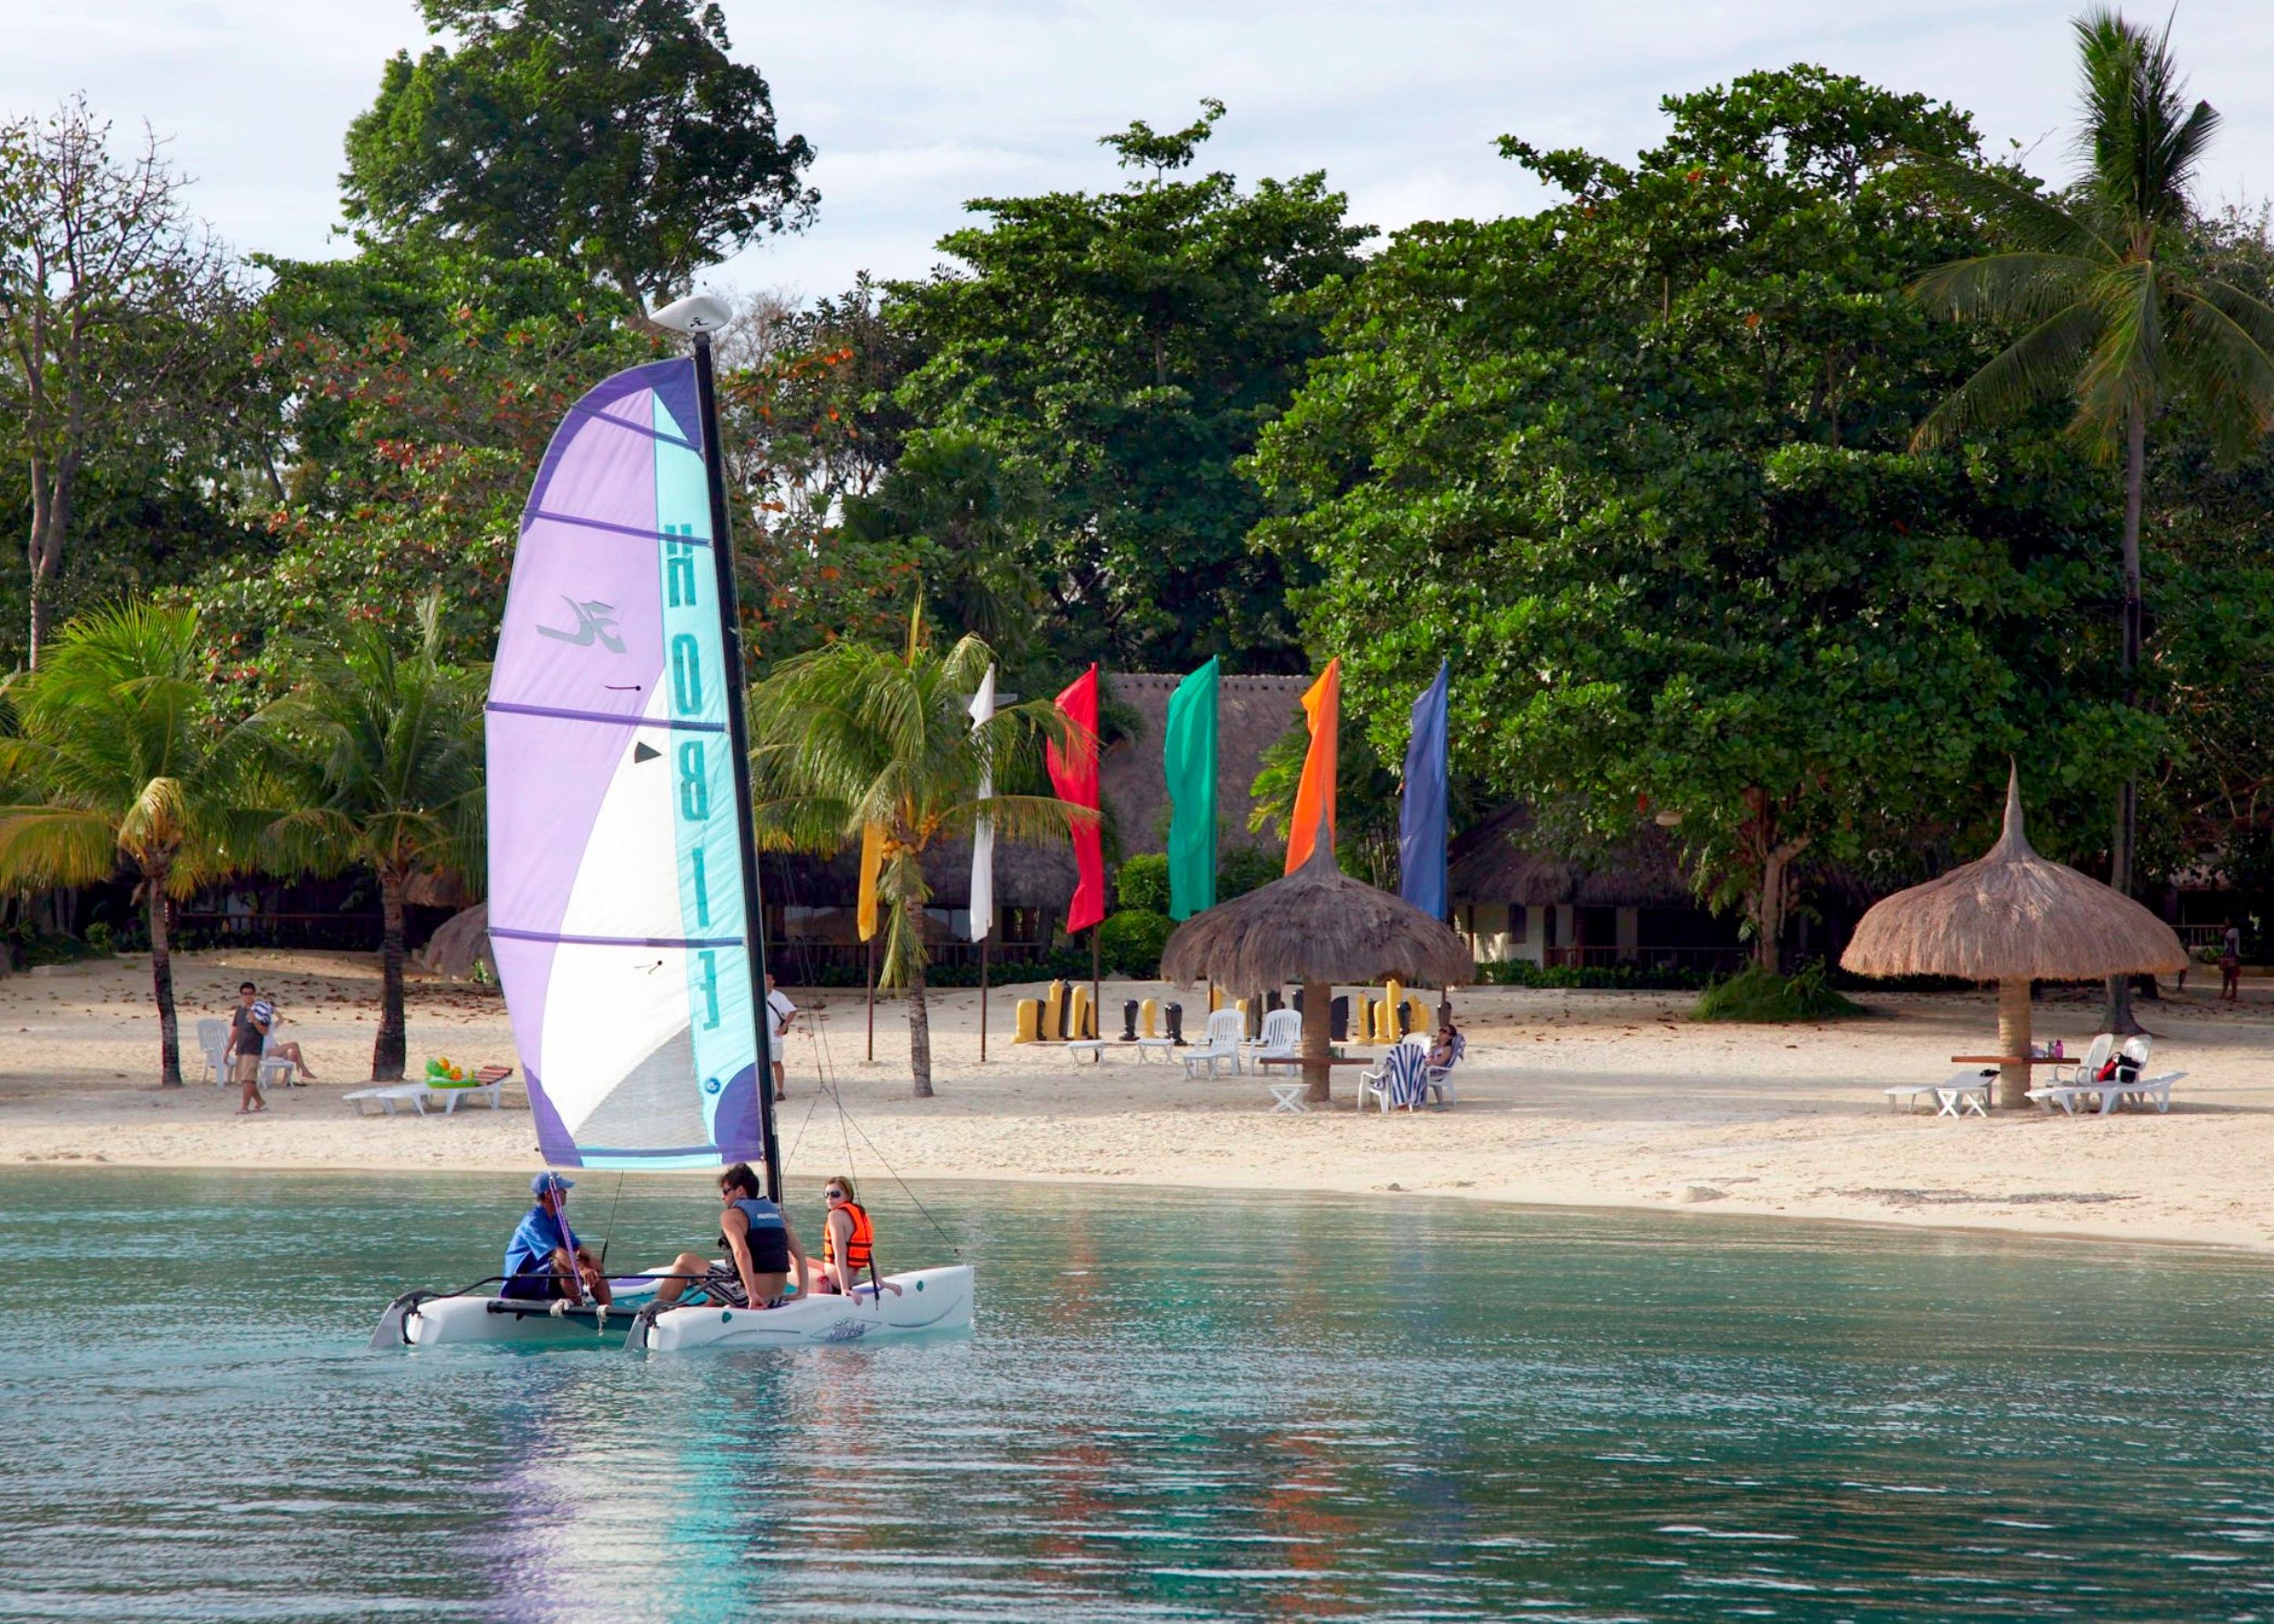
(624, 913)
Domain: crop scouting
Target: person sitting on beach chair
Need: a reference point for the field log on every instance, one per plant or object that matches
(761, 1249)
(543, 1261)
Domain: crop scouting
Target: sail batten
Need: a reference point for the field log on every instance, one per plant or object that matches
(616, 860)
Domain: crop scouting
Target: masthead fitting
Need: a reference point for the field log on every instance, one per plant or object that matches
(697, 313)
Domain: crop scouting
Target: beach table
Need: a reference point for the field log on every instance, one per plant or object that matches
(1291, 1097)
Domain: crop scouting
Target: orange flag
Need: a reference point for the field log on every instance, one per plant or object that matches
(1315, 797)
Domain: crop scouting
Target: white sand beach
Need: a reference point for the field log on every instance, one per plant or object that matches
(1590, 1098)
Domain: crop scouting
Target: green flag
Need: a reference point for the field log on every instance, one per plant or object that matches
(1188, 757)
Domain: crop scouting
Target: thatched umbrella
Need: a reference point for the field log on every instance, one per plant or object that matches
(1318, 926)
(2012, 917)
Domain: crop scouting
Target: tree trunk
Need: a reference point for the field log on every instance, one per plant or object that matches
(162, 986)
(1772, 901)
(387, 1048)
(2013, 1042)
(2118, 1016)
(919, 1026)
(51, 504)
(1318, 1041)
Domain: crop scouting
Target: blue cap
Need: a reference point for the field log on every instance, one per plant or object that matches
(552, 1181)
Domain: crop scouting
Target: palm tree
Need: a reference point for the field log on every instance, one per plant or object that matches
(2113, 315)
(390, 746)
(119, 760)
(846, 736)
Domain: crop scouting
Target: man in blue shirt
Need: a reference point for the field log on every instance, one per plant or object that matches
(543, 1260)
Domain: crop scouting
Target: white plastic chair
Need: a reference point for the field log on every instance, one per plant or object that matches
(1221, 1043)
(213, 1042)
(272, 1064)
(2076, 1071)
(1282, 1038)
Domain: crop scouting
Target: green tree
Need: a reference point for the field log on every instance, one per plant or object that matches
(2115, 315)
(417, 389)
(846, 735)
(389, 743)
(1129, 346)
(616, 136)
(115, 312)
(1638, 466)
(125, 764)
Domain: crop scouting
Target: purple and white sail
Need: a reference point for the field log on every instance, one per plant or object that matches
(616, 882)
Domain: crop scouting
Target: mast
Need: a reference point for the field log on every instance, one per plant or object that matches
(738, 735)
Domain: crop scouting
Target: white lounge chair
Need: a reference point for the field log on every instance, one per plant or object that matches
(1222, 1044)
(1961, 1093)
(213, 1042)
(273, 1063)
(1379, 1084)
(389, 1095)
(2106, 1097)
(2076, 1071)
(1282, 1038)
(1440, 1078)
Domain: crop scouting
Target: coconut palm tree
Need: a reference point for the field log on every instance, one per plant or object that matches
(388, 744)
(2112, 314)
(846, 736)
(118, 760)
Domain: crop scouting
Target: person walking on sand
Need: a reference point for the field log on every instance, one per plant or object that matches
(2230, 964)
(248, 1032)
(779, 1012)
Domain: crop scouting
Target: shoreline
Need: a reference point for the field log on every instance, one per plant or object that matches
(1603, 1100)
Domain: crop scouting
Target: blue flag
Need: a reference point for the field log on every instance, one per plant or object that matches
(1421, 819)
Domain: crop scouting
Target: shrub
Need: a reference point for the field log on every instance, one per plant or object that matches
(1142, 883)
(1757, 995)
(1130, 942)
(1244, 868)
(1636, 978)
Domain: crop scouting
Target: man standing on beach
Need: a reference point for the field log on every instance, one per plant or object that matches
(248, 1032)
(779, 1012)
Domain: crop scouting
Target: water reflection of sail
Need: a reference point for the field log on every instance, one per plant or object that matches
(616, 864)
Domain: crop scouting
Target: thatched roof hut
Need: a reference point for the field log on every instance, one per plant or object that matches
(2012, 917)
(1505, 859)
(1318, 926)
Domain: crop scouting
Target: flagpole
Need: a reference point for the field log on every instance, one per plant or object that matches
(872, 998)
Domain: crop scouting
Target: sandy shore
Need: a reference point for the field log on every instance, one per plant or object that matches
(1590, 1098)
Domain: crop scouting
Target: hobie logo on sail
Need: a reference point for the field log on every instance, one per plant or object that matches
(595, 622)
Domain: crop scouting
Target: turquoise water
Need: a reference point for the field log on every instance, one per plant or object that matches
(1174, 1406)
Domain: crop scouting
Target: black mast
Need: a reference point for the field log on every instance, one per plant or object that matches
(738, 735)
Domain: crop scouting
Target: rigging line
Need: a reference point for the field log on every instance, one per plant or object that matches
(611, 1233)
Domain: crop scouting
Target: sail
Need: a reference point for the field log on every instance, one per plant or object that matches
(616, 878)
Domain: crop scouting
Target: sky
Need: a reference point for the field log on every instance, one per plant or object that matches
(917, 105)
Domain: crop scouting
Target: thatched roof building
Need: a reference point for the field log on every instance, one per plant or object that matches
(1503, 860)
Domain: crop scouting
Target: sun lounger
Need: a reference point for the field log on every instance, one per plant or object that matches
(213, 1042)
(1962, 1092)
(1403, 1077)
(389, 1096)
(489, 1083)
(2106, 1097)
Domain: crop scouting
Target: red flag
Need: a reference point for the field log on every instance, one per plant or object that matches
(1314, 795)
(1074, 775)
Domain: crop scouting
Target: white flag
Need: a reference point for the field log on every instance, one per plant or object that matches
(983, 836)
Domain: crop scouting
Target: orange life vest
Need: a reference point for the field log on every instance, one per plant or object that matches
(859, 1249)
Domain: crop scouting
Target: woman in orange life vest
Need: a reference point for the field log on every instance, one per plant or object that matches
(848, 1242)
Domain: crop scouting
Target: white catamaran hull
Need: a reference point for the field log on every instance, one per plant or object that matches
(936, 1299)
(929, 1300)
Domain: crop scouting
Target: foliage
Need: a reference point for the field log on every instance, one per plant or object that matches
(1365, 802)
(845, 737)
(1129, 942)
(387, 744)
(616, 136)
(116, 313)
(117, 760)
(1128, 346)
(1524, 972)
(1755, 994)
(1243, 869)
(1638, 466)
(1142, 882)
(418, 388)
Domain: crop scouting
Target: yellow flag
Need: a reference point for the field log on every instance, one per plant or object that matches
(872, 864)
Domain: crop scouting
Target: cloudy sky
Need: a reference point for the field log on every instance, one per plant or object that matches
(917, 105)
